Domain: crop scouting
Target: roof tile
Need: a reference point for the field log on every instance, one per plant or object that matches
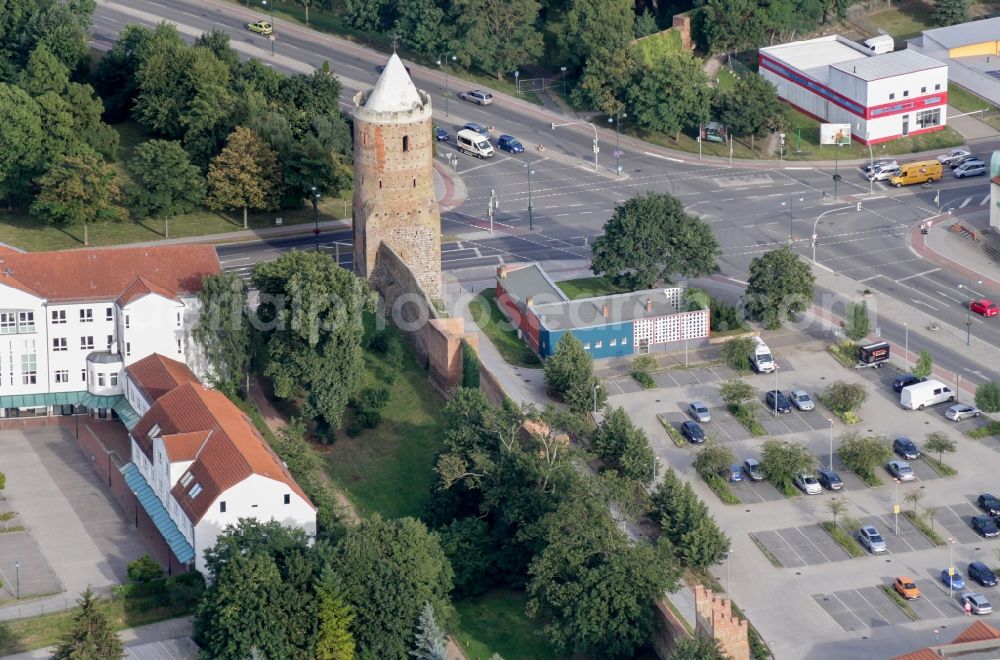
(155, 375)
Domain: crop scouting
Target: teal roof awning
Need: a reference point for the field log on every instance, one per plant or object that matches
(157, 513)
(126, 413)
(42, 399)
(95, 401)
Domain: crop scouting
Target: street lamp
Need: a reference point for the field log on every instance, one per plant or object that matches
(968, 312)
(597, 149)
(271, 36)
(775, 390)
(830, 419)
(17, 572)
(791, 214)
(595, 397)
(816, 224)
(442, 62)
(617, 120)
(906, 345)
(951, 565)
(315, 201)
(531, 222)
(895, 509)
(563, 70)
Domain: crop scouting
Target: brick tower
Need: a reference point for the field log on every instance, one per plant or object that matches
(394, 200)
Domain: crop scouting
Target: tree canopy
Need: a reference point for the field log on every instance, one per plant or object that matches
(244, 175)
(223, 331)
(90, 635)
(780, 285)
(165, 182)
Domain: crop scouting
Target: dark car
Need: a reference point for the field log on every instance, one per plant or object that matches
(989, 504)
(732, 473)
(510, 143)
(985, 526)
(982, 574)
(829, 479)
(693, 432)
(906, 448)
(776, 400)
(440, 134)
(905, 380)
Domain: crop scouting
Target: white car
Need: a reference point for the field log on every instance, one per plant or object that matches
(961, 411)
(901, 470)
(808, 483)
(977, 603)
(477, 96)
(867, 168)
(883, 172)
(801, 400)
(949, 157)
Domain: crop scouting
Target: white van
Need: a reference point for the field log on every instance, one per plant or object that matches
(762, 361)
(883, 43)
(474, 143)
(927, 393)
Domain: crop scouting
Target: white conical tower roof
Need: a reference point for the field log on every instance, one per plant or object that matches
(394, 90)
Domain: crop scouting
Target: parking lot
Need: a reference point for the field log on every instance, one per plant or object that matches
(807, 545)
(956, 518)
(861, 609)
(672, 378)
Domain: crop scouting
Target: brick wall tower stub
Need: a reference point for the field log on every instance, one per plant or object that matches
(394, 199)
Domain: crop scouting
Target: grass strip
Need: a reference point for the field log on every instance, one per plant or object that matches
(673, 433)
(721, 488)
(943, 469)
(846, 355)
(900, 601)
(500, 331)
(747, 416)
(767, 553)
(644, 379)
(843, 539)
(992, 428)
(924, 528)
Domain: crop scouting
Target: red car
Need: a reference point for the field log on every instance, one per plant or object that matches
(984, 307)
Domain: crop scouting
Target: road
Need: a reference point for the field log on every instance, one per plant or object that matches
(752, 207)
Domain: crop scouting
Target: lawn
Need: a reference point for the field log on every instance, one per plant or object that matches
(495, 622)
(965, 101)
(390, 469)
(500, 331)
(904, 21)
(588, 287)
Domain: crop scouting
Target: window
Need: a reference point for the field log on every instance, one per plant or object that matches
(288, 498)
(598, 344)
(111, 340)
(83, 375)
(29, 369)
(113, 379)
(195, 490)
(86, 315)
(406, 143)
(906, 92)
(8, 323)
(222, 506)
(109, 314)
(937, 87)
(58, 316)
(26, 322)
(59, 344)
(180, 348)
(928, 118)
(178, 319)
(586, 346)
(126, 320)
(62, 376)
(624, 341)
(100, 379)
(87, 343)
(923, 90)
(154, 431)
(128, 348)
(186, 479)
(892, 96)
(613, 342)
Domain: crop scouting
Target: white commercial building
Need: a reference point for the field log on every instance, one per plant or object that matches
(882, 97)
(71, 321)
(971, 51)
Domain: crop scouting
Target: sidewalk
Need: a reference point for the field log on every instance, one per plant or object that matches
(970, 127)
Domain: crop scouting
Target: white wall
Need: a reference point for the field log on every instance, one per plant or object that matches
(152, 328)
(254, 497)
(14, 345)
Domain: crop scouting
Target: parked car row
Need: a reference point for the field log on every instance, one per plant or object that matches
(777, 402)
(961, 161)
(474, 139)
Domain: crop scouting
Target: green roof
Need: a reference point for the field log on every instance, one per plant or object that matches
(59, 399)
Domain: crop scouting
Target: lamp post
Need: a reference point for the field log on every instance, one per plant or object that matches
(791, 215)
(597, 149)
(531, 221)
(315, 201)
(830, 419)
(968, 312)
(442, 62)
(595, 397)
(563, 69)
(775, 390)
(906, 345)
(895, 509)
(617, 120)
(17, 573)
(492, 206)
(951, 566)
(270, 37)
(816, 224)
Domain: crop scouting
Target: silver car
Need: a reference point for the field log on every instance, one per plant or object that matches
(977, 603)
(869, 537)
(950, 157)
(802, 400)
(699, 412)
(901, 470)
(961, 411)
(808, 483)
(477, 96)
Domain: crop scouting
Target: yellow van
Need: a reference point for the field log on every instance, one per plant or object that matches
(923, 171)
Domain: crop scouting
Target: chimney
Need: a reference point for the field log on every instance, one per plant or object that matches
(649, 305)
(530, 301)
(502, 272)
(604, 310)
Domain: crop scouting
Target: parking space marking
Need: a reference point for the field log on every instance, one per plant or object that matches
(850, 611)
(953, 518)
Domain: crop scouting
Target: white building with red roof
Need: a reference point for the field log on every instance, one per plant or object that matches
(71, 321)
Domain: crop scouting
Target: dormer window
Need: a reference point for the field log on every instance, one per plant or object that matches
(195, 490)
(154, 431)
(186, 479)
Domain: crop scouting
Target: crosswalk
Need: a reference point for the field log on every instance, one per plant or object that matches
(971, 199)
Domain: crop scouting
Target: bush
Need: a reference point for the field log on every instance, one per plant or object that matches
(747, 416)
(863, 455)
(723, 316)
(375, 398)
(924, 365)
(782, 460)
(844, 397)
(470, 366)
(157, 587)
(736, 391)
(712, 459)
(736, 353)
(369, 419)
(144, 569)
(644, 379)
(185, 589)
(987, 400)
(394, 353)
(645, 363)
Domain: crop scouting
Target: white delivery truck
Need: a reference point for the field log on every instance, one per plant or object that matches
(883, 43)
(927, 393)
(473, 143)
(762, 361)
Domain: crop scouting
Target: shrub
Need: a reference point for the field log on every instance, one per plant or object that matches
(844, 397)
(987, 400)
(644, 379)
(924, 365)
(736, 353)
(375, 398)
(185, 589)
(747, 416)
(369, 419)
(736, 391)
(379, 342)
(144, 569)
(3, 480)
(645, 363)
(863, 455)
(470, 366)
(723, 316)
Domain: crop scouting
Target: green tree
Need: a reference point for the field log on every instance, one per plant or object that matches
(91, 634)
(713, 458)
(315, 308)
(79, 190)
(924, 366)
(736, 391)
(223, 329)
(988, 396)
(606, 80)
(165, 182)
(471, 551)
(569, 364)
(698, 647)
(649, 239)
(594, 26)
(843, 397)
(244, 175)
(624, 445)
(856, 327)
(863, 455)
(704, 544)
(498, 35)
(780, 285)
(144, 569)
(645, 24)
(752, 107)
(207, 115)
(586, 395)
(368, 15)
(736, 353)
(20, 141)
(782, 460)
(734, 25)
(43, 73)
(306, 4)
(913, 497)
(162, 80)
(61, 27)
(115, 75)
(939, 443)
(333, 636)
(389, 569)
(590, 586)
(429, 642)
(421, 25)
(679, 77)
(950, 12)
(686, 523)
(836, 507)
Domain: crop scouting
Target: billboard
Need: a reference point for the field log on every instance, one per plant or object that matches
(839, 134)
